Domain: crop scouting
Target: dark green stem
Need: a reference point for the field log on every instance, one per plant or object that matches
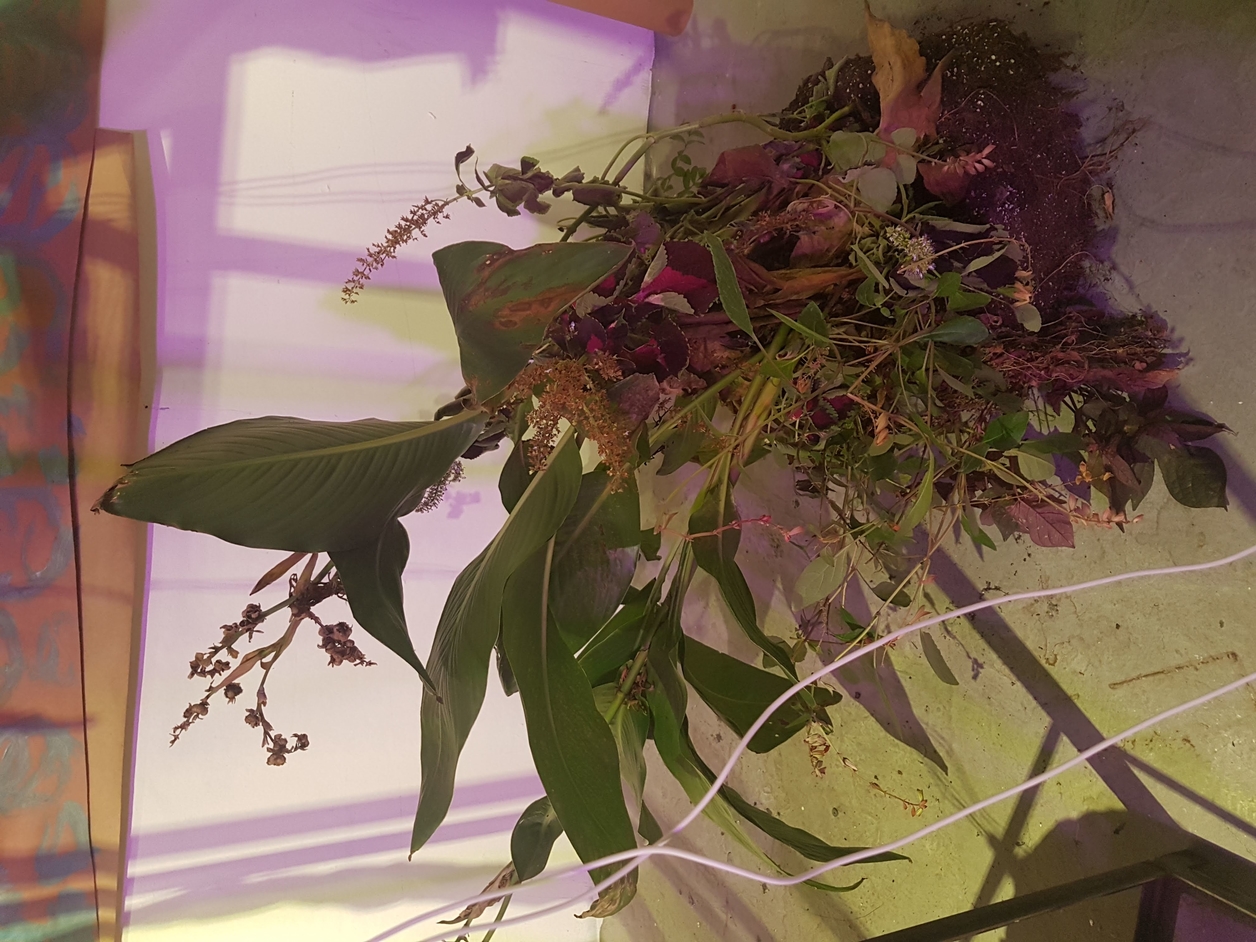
(736, 117)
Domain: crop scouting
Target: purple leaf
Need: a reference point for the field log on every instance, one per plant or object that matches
(689, 272)
(1046, 525)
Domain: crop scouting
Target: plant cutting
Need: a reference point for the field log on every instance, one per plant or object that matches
(875, 298)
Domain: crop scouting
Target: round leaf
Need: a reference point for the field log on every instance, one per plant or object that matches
(1195, 476)
(879, 188)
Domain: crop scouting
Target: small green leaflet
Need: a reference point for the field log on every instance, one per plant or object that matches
(1005, 432)
(823, 576)
(975, 533)
(1057, 443)
(924, 501)
(1033, 467)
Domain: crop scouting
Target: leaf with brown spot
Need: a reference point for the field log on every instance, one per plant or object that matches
(502, 301)
(907, 100)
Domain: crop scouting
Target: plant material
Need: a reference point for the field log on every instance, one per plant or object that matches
(920, 367)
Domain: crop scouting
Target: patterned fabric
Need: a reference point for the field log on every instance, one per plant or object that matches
(49, 63)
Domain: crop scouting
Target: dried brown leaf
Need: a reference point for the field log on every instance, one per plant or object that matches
(504, 878)
(614, 898)
(278, 571)
(907, 100)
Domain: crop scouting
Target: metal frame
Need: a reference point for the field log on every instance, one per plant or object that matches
(1204, 867)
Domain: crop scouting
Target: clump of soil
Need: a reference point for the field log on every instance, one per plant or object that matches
(998, 88)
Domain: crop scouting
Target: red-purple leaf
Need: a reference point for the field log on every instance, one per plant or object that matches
(751, 165)
(1046, 525)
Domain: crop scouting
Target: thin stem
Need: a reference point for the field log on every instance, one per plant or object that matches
(650, 139)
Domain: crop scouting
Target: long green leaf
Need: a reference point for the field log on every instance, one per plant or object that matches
(731, 298)
(631, 727)
(574, 750)
(371, 576)
(716, 553)
(617, 641)
(739, 693)
(502, 300)
(667, 700)
(469, 625)
(292, 484)
(595, 556)
(804, 842)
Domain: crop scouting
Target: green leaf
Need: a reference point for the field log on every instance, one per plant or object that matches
(502, 301)
(1028, 316)
(595, 558)
(575, 753)
(630, 726)
(886, 592)
(948, 285)
(371, 576)
(975, 533)
(717, 554)
(820, 339)
(731, 298)
(504, 672)
(1057, 443)
(616, 642)
(979, 263)
(904, 169)
(292, 484)
(680, 449)
(920, 507)
(739, 693)
(1004, 433)
(812, 318)
(667, 699)
(848, 149)
(936, 660)
(801, 841)
(651, 543)
(866, 293)
(533, 838)
(967, 301)
(904, 138)
(1195, 476)
(515, 476)
(1033, 467)
(469, 625)
(823, 576)
(963, 331)
(879, 188)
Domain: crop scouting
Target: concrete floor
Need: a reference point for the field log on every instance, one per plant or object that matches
(1038, 681)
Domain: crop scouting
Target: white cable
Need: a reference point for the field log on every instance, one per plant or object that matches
(659, 849)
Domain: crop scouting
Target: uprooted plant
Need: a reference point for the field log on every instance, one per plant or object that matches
(849, 297)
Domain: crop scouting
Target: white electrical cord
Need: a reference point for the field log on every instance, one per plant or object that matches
(660, 848)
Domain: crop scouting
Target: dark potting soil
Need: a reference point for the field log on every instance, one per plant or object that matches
(998, 88)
